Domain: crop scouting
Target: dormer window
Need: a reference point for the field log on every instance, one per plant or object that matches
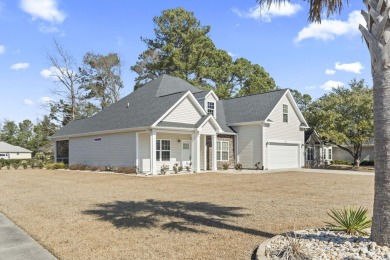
(211, 108)
(285, 113)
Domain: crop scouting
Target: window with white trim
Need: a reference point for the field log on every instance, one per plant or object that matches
(163, 150)
(310, 153)
(211, 108)
(330, 154)
(285, 113)
(222, 151)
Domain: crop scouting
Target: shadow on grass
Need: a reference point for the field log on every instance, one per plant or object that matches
(178, 216)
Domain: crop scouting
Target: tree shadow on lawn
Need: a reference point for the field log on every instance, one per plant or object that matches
(187, 216)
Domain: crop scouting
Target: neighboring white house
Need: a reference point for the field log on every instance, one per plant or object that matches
(8, 151)
(368, 153)
(169, 121)
(317, 152)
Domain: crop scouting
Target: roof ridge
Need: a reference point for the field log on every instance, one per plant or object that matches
(258, 94)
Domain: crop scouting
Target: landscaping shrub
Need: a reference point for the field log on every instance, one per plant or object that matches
(367, 163)
(225, 166)
(39, 164)
(238, 166)
(40, 156)
(15, 164)
(126, 170)
(2, 163)
(350, 220)
(341, 162)
(8, 164)
(24, 164)
(79, 167)
(55, 166)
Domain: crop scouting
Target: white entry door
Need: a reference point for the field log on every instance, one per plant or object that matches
(185, 153)
(281, 155)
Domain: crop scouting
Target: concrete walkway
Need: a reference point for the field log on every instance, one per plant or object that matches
(16, 244)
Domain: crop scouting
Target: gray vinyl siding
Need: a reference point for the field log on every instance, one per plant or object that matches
(249, 145)
(284, 132)
(144, 152)
(339, 154)
(185, 112)
(113, 149)
(208, 129)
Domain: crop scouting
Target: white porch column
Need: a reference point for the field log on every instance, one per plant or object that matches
(153, 152)
(137, 151)
(195, 152)
(205, 152)
(214, 149)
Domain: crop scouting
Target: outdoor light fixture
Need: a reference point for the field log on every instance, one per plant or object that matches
(178, 140)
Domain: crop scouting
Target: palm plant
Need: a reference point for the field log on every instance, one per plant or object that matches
(377, 36)
(350, 220)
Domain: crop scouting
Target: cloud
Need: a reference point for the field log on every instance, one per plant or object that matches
(354, 67)
(331, 84)
(2, 49)
(231, 54)
(46, 100)
(311, 87)
(330, 72)
(20, 66)
(48, 29)
(43, 9)
(28, 102)
(329, 29)
(266, 13)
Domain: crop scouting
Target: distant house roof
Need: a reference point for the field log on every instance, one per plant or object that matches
(251, 108)
(8, 148)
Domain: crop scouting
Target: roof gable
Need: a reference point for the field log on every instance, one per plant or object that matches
(253, 108)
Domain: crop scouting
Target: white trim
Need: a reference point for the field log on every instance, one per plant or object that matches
(173, 130)
(204, 152)
(191, 97)
(236, 149)
(294, 105)
(284, 113)
(182, 159)
(137, 150)
(249, 123)
(283, 142)
(207, 108)
(263, 147)
(170, 150)
(212, 93)
(196, 164)
(152, 153)
(214, 150)
(297, 143)
(221, 151)
(210, 117)
(66, 137)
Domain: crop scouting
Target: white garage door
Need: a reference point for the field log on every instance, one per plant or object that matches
(282, 156)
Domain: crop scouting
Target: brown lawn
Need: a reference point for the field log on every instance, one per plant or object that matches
(79, 215)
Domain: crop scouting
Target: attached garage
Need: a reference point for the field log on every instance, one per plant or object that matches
(282, 156)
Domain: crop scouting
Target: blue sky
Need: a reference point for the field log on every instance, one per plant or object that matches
(311, 58)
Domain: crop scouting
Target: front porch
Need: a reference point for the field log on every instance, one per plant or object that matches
(165, 148)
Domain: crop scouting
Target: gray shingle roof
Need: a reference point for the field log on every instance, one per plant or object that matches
(251, 108)
(144, 108)
(8, 148)
(146, 105)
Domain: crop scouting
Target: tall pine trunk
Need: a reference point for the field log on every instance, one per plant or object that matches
(377, 36)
